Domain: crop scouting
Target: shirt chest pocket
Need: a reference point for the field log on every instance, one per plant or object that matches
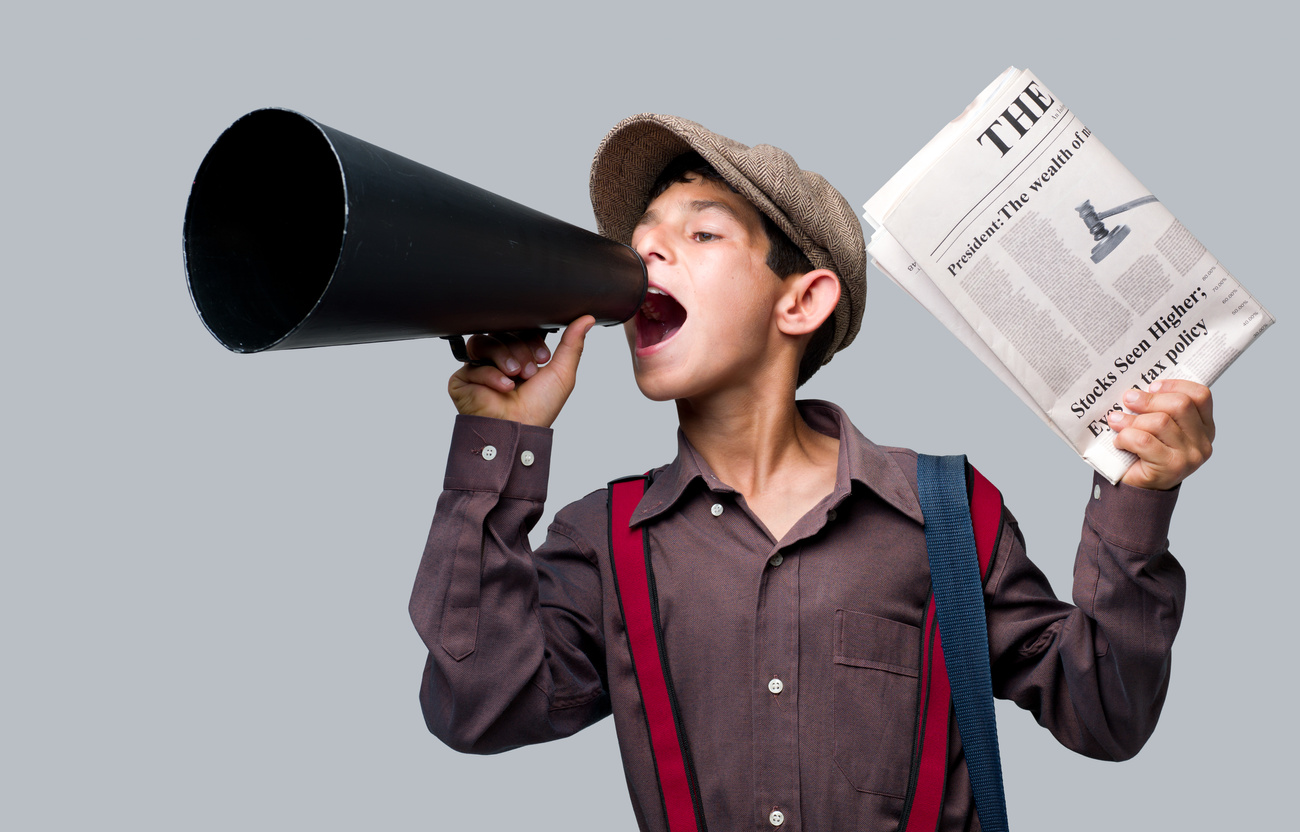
(875, 695)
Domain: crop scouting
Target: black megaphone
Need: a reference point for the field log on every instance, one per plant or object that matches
(298, 235)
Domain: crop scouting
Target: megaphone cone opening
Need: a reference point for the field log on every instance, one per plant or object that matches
(263, 228)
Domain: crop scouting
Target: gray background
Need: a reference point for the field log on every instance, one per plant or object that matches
(207, 556)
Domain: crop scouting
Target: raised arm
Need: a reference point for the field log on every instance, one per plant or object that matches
(1094, 673)
(516, 652)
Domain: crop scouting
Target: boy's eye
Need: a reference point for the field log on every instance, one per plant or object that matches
(704, 236)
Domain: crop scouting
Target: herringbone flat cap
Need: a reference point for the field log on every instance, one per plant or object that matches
(814, 215)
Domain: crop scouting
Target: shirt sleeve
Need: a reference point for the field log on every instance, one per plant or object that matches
(1094, 673)
(516, 653)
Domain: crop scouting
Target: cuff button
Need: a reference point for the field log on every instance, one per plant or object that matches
(527, 458)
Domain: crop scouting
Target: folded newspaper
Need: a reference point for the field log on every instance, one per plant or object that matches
(1030, 241)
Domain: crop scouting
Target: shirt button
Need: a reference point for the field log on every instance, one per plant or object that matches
(527, 458)
(776, 818)
(776, 559)
(776, 686)
(830, 516)
(716, 510)
(1096, 492)
(489, 452)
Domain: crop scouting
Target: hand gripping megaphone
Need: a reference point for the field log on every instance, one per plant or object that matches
(297, 235)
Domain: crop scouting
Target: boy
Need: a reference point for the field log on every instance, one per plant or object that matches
(787, 550)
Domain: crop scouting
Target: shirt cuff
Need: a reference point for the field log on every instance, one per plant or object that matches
(500, 456)
(1133, 518)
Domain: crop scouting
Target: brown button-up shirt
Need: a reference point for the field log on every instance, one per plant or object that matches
(527, 646)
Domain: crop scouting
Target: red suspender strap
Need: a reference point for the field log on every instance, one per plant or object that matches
(931, 751)
(986, 518)
(634, 581)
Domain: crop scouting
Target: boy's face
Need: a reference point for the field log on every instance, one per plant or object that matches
(708, 320)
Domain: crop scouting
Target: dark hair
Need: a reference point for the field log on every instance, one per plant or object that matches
(784, 258)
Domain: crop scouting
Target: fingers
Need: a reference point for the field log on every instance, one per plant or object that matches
(1188, 406)
(487, 375)
(1171, 430)
(536, 341)
(509, 384)
(509, 354)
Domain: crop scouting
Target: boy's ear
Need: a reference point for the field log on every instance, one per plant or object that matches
(809, 299)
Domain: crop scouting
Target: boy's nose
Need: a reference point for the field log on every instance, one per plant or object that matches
(652, 245)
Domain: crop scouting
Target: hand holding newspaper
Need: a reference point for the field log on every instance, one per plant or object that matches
(1022, 234)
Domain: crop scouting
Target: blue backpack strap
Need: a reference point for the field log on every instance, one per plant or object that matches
(957, 569)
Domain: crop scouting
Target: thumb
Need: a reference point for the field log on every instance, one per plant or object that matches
(569, 351)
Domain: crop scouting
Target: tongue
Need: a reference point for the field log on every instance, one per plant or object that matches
(658, 320)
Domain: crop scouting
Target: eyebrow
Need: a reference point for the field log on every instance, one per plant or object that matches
(696, 206)
(705, 204)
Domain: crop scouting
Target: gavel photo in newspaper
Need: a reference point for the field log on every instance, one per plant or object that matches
(1107, 240)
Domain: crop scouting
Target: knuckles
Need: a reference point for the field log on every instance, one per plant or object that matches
(1183, 405)
(1157, 422)
(1136, 440)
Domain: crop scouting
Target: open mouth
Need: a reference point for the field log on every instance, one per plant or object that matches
(658, 319)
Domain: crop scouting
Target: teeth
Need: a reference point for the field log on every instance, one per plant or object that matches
(648, 309)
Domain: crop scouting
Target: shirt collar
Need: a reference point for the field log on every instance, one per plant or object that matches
(861, 461)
